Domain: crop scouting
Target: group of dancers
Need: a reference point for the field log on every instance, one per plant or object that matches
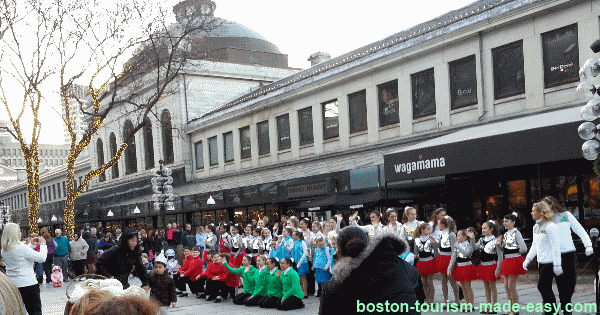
(440, 248)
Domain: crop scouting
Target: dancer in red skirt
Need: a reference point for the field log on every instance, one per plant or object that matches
(461, 265)
(447, 227)
(489, 269)
(237, 250)
(211, 241)
(513, 247)
(427, 251)
(225, 243)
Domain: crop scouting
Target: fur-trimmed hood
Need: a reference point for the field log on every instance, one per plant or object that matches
(345, 266)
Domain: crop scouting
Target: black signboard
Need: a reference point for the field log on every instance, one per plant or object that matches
(561, 56)
(540, 145)
(463, 82)
(357, 103)
(423, 93)
(284, 141)
(245, 145)
(509, 70)
(388, 103)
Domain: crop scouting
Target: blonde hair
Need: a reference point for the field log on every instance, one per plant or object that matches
(10, 297)
(545, 210)
(89, 299)
(10, 236)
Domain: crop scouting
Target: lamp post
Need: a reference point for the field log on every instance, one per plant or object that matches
(4, 214)
(163, 191)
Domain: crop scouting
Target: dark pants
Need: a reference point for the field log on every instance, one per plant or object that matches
(419, 292)
(546, 274)
(196, 286)
(253, 301)
(291, 303)
(39, 272)
(310, 279)
(270, 302)
(566, 282)
(216, 288)
(180, 282)
(31, 299)
(241, 298)
(48, 267)
(78, 267)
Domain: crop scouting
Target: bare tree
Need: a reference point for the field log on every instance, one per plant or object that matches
(141, 72)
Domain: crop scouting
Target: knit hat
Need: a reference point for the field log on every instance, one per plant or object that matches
(161, 259)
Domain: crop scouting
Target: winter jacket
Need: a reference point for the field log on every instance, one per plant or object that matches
(162, 289)
(79, 249)
(231, 279)
(249, 281)
(194, 268)
(214, 270)
(189, 239)
(119, 263)
(186, 264)
(56, 276)
(377, 275)
(63, 247)
(92, 242)
(105, 245)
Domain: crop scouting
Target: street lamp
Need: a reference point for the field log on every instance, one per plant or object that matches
(136, 210)
(4, 214)
(110, 213)
(589, 89)
(54, 218)
(163, 191)
(40, 221)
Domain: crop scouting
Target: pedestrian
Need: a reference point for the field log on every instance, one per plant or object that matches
(155, 244)
(189, 237)
(78, 255)
(173, 235)
(566, 223)
(38, 267)
(100, 230)
(92, 253)
(86, 228)
(201, 234)
(513, 246)
(61, 253)
(10, 298)
(118, 261)
(51, 245)
(19, 259)
(162, 286)
(118, 234)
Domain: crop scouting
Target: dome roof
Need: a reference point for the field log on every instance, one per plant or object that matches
(235, 35)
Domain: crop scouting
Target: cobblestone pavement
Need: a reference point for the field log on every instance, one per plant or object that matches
(54, 300)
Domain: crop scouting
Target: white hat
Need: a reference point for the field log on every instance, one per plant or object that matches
(161, 258)
(170, 252)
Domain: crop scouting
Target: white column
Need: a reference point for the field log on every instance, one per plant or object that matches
(534, 71)
(372, 114)
(317, 115)
(405, 105)
(254, 144)
(273, 138)
(237, 149)
(442, 95)
(295, 133)
(344, 121)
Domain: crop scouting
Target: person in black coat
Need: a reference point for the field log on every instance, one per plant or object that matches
(370, 278)
(118, 261)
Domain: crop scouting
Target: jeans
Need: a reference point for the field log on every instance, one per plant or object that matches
(63, 263)
(39, 271)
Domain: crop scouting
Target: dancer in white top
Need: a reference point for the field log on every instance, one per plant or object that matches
(546, 247)
(409, 225)
(374, 229)
(394, 227)
(565, 223)
(434, 220)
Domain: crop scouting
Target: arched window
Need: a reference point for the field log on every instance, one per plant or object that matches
(148, 144)
(130, 156)
(113, 151)
(100, 155)
(167, 137)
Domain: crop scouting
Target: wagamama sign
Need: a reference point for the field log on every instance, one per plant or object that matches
(408, 167)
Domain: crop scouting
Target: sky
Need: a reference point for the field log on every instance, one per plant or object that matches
(298, 29)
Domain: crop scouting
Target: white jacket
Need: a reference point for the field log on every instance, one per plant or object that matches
(545, 244)
(79, 249)
(19, 263)
(565, 222)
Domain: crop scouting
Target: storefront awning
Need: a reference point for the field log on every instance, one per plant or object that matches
(318, 202)
(546, 137)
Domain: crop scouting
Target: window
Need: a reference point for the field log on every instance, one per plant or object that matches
(388, 103)
(228, 146)
(305, 122)
(357, 103)
(45, 196)
(199, 155)
(263, 137)
(463, 82)
(167, 136)
(423, 93)
(100, 156)
(59, 190)
(64, 189)
(113, 151)
(213, 151)
(283, 132)
(331, 126)
(561, 56)
(54, 192)
(148, 144)
(130, 152)
(509, 73)
(245, 143)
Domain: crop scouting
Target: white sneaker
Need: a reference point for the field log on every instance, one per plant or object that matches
(82, 279)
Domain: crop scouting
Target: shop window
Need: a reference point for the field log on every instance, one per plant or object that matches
(208, 217)
(213, 151)
(167, 137)
(568, 193)
(493, 208)
(388, 103)
(283, 132)
(423, 93)
(240, 215)
(272, 211)
(148, 144)
(221, 216)
(100, 157)
(540, 188)
(245, 142)
(264, 146)
(591, 201)
(228, 146)
(113, 151)
(561, 56)
(463, 82)
(305, 122)
(509, 70)
(517, 199)
(331, 125)
(256, 212)
(357, 104)
(199, 149)
(54, 191)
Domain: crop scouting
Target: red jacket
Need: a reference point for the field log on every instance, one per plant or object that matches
(232, 279)
(186, 264)
(214, 270)
(194, 268)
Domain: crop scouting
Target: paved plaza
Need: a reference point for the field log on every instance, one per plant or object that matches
(54, 299)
